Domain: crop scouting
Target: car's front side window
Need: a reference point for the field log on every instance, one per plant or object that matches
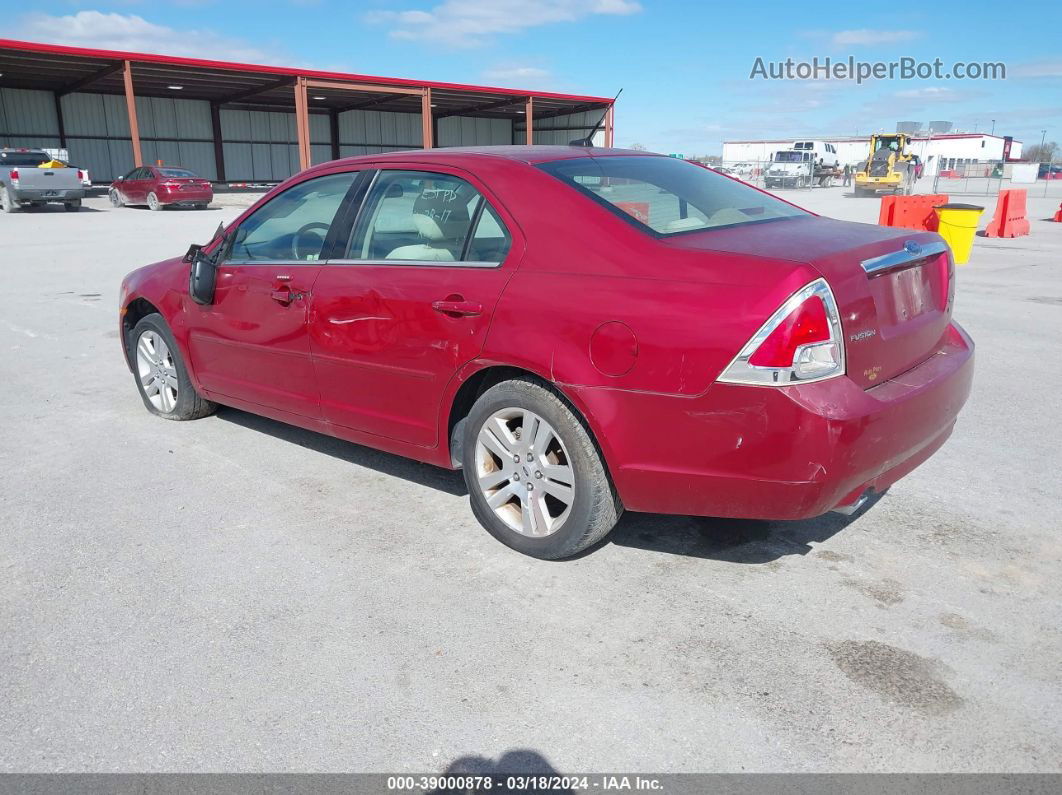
(427, 217)
(293, 225)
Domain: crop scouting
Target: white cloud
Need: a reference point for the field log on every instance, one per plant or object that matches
(135, 34)
(865, 37)
(1036, 69)
(468, 23)
(933, 93)
(525, 76)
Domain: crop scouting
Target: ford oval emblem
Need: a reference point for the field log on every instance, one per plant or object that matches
(911, 247)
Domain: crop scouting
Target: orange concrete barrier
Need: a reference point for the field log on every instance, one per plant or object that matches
(911, 212)
(888, 205)
(1058, 215)
(1010, 219)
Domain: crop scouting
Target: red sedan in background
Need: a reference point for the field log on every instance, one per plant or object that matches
(581, 331)
(159, 186)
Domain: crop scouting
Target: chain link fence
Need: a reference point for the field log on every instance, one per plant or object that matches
(1040, 180)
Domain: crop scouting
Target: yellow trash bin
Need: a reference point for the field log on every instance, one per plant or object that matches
(957, 224)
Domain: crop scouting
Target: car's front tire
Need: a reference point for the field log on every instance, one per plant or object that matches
(535, 479)
(161, 376)
(116, 198)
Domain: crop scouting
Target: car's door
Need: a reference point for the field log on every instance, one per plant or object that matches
(129, 186)
(251, 343)
(410, 300)
(143, 182)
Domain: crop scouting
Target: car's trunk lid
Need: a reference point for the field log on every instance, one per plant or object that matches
(186, 183)
(893, 286)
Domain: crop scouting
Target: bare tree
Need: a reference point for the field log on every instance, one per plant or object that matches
(1041, 154)
(638, 147)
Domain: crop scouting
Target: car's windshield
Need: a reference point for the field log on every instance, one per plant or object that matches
(182, 173)
(790, 157)
(668, 196)
(23, 158)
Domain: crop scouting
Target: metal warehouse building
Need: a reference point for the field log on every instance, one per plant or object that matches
(238, 122)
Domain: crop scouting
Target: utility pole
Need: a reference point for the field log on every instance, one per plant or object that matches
(1043, 138)
(993, 126)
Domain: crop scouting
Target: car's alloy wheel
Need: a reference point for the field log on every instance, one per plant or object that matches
(536, 480)
(161, 376)
(153, 201)
(524, 472)
(116, 198)
(157, 371)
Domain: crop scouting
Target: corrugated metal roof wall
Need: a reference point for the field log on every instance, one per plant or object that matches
(27, 118)
(257, 145)
(469, 131)
(549, 132)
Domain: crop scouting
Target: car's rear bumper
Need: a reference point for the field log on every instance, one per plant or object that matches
(779, 453)
(51, 195)
(185, 196)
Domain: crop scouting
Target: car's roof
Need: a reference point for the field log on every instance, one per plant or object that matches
(524, 154)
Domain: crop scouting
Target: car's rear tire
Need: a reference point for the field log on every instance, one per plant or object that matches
(72, 206)
(160, 373)
(116, 198)
(535, 479)
(8, 204)
(201, 206)
(153, 202)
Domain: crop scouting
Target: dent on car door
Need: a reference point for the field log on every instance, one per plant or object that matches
(251, 343)
(410, 301)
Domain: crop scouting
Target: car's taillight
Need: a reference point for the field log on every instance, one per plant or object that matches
(14, 175)
(947, 279)
(81, 175)
(800, 342)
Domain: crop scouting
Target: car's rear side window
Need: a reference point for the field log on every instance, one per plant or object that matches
(427, 217)
(668, 196)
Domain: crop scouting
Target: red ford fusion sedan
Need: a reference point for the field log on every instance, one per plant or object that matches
(581, 331)
(159, 186)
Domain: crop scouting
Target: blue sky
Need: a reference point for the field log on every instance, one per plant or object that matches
(684, 66)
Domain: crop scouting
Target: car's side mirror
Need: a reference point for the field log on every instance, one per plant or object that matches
(202, 275)
(121, 178)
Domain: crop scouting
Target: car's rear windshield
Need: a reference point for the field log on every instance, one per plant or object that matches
(667, 196)
(23, 158)
(182, 173)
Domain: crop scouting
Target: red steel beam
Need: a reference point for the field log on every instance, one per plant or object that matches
(130, 108)
(425, 119)
(302, 123)
(415, 85)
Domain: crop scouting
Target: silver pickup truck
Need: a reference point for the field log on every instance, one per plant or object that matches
(23, 182)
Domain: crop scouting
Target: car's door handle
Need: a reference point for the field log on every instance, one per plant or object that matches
(284, 296)
(458, 308)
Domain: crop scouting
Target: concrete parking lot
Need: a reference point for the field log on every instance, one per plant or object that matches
(234, 594)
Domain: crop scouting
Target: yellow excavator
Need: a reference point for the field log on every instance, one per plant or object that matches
(890, 166)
